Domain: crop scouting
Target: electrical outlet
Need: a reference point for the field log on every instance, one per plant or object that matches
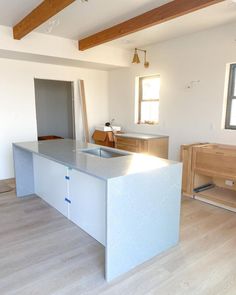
(229, 182)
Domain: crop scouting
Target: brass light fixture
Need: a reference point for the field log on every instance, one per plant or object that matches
(136, 59)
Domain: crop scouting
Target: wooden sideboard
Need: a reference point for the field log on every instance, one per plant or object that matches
(186, 158)
(213, 165)
(156, 145)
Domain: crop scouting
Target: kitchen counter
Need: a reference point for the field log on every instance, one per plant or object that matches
(70, 153)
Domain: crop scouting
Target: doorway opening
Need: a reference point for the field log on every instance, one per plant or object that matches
(54, 109)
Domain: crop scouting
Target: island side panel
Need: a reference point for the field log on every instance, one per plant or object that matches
(24, 172)
(143, 216)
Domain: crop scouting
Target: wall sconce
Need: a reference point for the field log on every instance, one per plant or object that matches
(136, 59)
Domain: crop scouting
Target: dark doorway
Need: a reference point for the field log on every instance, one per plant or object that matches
(54, 109)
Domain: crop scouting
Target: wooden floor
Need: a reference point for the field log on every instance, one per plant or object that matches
(41, 252)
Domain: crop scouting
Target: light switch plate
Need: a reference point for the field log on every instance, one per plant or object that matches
(229, 182)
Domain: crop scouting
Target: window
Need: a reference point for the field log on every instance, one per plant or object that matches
(148, 108)
(230, 122)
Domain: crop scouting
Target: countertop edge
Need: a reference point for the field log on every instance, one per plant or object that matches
(87, 172)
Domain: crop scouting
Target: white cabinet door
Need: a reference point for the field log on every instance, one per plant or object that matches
(88, 205)
(50, 183)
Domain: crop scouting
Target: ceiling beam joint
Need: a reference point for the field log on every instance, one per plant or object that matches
(43, 12)
(153, 17)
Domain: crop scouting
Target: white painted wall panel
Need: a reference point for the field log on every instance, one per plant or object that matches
(186, 115)
(17, 102)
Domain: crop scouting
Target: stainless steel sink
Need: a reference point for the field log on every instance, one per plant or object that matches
(105, 153)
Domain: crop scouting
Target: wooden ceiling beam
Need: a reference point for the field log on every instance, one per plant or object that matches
(153, 17)
(43, 12)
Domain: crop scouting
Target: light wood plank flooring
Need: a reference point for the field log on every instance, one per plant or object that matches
(41, 252)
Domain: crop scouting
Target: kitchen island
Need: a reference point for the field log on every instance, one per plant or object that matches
(128, 202)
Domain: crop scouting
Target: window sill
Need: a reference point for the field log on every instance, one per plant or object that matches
(230, 128)
(148, 124)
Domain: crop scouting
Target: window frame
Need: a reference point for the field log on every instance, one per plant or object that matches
(230, 97)
(140, 98)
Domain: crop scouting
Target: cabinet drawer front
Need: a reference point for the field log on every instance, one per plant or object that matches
(216, 163)
(129, 148)
(127, 141)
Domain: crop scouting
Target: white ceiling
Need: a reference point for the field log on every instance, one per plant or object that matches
(12, 11)
(81, 19)
(212, 16)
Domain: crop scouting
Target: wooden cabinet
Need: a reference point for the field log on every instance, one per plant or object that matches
(209, 174)
(215, 160)
(156, 146)
(186, 156)
(105, 138)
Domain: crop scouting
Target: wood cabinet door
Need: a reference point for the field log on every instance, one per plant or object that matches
(128, 148)
(128, 144)
(157, 147)
(88, 204)
(50, 183)
(185, 158)
(214, 161)
(188, 174)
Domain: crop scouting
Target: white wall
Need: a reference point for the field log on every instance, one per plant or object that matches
(17, 101)
(186, 115)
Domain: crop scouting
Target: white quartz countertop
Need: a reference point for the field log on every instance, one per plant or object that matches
(70, 153)
(140, 136)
